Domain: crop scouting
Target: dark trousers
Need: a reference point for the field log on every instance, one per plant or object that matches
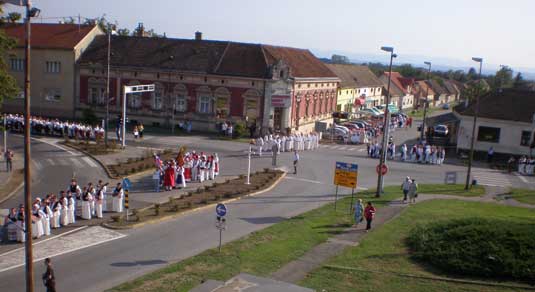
(405, 192)
(368, 223)
(295, 167)
(9, 165)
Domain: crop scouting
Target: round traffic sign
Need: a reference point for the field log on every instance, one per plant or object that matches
(383, 170)
(221, 210)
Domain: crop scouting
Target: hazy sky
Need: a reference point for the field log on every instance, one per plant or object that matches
(502, 32)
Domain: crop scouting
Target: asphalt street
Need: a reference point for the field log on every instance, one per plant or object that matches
(142, 250)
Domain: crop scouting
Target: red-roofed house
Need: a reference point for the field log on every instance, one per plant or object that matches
(400, 90)
(209, 82)
(55, 49)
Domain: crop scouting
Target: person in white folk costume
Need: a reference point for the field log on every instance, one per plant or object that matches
(202, 168)
(217, 166)
(21, 235)
(86, 204)
(118, 195)
(47, 217)
(37, 224)
(76, 192)
(99, 199)
(180, 179)
(195, 168)
(259, 145)
(71, 208)
(104, 187)
(56, 214)
(91, 189)
(64, 208)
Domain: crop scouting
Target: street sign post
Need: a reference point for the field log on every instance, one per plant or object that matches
(131, 89)
(383, 170)
(221, 221)
(345, 175)
(127, 184)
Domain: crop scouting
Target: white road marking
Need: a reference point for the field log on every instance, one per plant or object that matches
(54, 143)
(63, 162)
(89, 161)
(76, 162)
(522, 178)
(65, 244)
(37, 165)
(303, 179)
(343, 148)
(50, 161)
(362, 150)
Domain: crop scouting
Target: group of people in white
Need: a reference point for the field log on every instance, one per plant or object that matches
(55, 127)
(286, 143)
(420, 153)
(187, 167)
(54, 212)
(526, 165)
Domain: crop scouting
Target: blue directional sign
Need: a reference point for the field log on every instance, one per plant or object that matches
(221, 210)
(127, 184)
(346, 174)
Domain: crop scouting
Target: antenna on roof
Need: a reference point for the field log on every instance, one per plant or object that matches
(78, 22)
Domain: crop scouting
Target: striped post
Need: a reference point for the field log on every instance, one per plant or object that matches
(126, 203)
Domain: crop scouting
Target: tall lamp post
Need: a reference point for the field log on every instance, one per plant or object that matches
(106, 127)
(476, 113)
(386, 124)
(426, 102)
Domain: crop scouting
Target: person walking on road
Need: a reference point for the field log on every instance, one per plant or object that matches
(296, 161)
(405, 187)
(8, 157)
(49, 280)
(413, 191)
(369, 213)
(490, 154)
(359, 212)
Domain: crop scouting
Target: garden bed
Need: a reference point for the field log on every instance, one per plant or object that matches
(93, 148)
(139, 164)
(201, 197)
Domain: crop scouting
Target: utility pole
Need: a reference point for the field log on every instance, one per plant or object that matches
(476, 113)
(27, 155)
(386, 125)
(426, 103)
(5, 132)
(106, 127)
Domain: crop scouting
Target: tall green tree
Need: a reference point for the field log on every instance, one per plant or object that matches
(8, 84)
(519, 82)
(503, 78)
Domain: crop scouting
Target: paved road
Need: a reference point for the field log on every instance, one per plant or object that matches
(105, 265)
(53, 167)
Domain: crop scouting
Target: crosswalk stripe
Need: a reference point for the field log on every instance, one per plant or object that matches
(50, 161)
(37, 164)
(89, 161)
(76, 162)
(63, 162)
(362, 150)
(343, 148)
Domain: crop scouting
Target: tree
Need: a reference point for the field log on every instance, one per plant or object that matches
(519, 82)
(14, 17)
(503, 78)
(472, 74)
(8, 84)
(474, 89)
(123, 32)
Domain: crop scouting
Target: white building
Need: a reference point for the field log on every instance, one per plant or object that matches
(504, 122)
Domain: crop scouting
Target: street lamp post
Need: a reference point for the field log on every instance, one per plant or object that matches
(426, 103)
(476, 113)
(106, 127)
(386, 124)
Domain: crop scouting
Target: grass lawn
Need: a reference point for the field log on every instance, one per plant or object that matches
(456, 190)
(383, 250)
(524, 195)
(260, 253)
(419, 114)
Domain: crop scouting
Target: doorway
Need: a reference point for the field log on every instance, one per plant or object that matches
(277, 119)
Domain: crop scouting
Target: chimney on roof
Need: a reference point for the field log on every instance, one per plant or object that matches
(198, 36)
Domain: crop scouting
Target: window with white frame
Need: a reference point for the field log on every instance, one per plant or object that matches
(180, 104)
(53, 94)
(157, 97)
(53, 67)
(97, 91)
(205, 104)
(134, 100)
(16, 64)
(179, 95)
(222, 102)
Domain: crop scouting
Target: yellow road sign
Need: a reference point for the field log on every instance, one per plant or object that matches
(346, 175)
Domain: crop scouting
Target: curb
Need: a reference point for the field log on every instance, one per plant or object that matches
(174, 216)
(106, 169)
(13, 192)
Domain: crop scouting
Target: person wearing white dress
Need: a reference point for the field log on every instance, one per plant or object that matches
(259, 145)
(45, 219)
(64, 208)
(91, 189)
(86, 205)
(180, 179)
(99, 199)
(118, 195)
(37, 225)
(71, 205)
(21, 235)
(217, 166)
(104, 187)
(56, 213)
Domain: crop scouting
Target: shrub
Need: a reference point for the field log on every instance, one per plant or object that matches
(133, 170)
(477, 247)
(156, 209)
(239, 130)
(117, 218)
(188, 204)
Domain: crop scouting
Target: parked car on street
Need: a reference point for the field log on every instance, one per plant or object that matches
(440, 130)
(445, 106)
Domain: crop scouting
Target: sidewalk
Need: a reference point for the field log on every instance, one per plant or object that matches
(297, 270)
(11, 181)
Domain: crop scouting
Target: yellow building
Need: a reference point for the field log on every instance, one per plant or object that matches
(55, 49)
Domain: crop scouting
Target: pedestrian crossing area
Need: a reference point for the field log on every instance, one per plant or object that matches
(343, 147)
(78, 162)
(491, 177)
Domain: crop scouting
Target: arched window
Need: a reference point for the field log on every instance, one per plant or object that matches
(251, 104)
(158, 96)
(222, 102)
(180, 98)
(97, 91)
(204, 100)
(134, 99)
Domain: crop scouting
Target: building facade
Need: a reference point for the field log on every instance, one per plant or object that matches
(400, 90)
(359, 87)
(276, 89)
(55, 49)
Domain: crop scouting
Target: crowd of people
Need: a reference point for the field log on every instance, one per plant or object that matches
(286, 143)
(55, 127)
(419, 153)
(526, 165)
(56, 211)
(186, 167)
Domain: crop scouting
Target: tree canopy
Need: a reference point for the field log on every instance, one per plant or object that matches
(8, 84)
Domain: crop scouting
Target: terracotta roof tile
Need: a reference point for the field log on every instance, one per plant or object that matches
(49, 35)
(355, 76)
(302, 62)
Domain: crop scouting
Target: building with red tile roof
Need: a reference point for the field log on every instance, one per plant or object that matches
(55, 49)
(400, 89)
(209, 82)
